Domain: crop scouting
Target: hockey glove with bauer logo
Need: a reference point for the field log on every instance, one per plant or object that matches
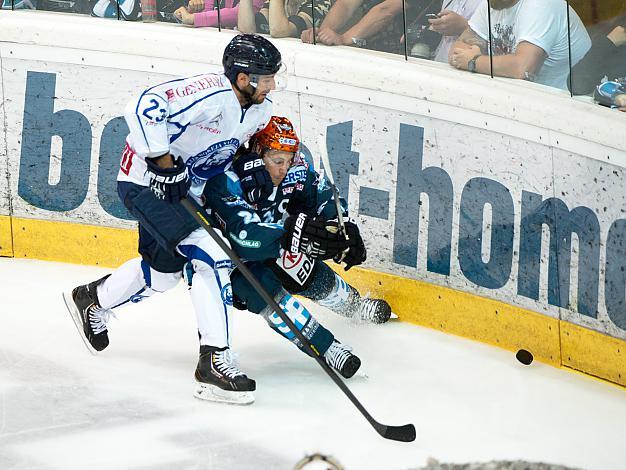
(316, 237)
(169, 184)
(356, 253)
(255, 181)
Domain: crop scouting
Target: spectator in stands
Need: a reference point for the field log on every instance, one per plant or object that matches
(19, 5)
(451, 22)
(529, 41)
(282, 18)
(605, 60)
(381, 27)
(202, 13)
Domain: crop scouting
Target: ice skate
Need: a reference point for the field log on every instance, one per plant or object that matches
(373, 310)
(89, 318)
(219, 379)
(339, 356)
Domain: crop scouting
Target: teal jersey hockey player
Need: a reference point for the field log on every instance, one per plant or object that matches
(263, 235)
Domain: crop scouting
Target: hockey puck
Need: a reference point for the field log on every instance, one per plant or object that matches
(525, 357)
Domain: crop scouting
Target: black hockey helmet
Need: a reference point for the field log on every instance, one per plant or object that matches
(250, 54)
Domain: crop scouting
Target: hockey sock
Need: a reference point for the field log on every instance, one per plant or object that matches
(342, 299)
(132, 282)
(319, 337)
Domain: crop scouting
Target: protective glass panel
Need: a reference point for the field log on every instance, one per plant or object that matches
(600, 74)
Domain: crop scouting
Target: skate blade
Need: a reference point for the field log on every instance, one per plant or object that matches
(75, 314)
(213, 393)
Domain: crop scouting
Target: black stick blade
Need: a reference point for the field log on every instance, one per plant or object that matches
(404, 433)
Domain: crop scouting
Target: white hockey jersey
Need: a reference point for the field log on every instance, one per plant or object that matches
(197, 118)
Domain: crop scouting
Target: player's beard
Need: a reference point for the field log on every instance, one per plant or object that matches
(502, 4)
(256, 98)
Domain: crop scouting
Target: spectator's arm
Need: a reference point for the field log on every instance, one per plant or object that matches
(523, 64)
(339, 14)
(228, 16)
(280, 26)
(374, 21)
(469, 38)
(246, 22)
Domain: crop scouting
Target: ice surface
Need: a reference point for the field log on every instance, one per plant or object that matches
(131, 407)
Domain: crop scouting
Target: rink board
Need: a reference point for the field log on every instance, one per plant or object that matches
(500, 224)
(552, 341)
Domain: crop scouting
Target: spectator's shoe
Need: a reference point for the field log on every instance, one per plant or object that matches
(89, 317)
(219, 379)
(339, 356)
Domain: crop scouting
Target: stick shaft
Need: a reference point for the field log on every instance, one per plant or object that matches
(201, 217)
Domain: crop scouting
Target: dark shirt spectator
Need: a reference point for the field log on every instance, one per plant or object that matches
(380, 28)
(605, 59)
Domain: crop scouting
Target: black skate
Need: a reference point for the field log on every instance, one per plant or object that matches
(90, 319)
(219, 379)
(373, 310)
(339, 357)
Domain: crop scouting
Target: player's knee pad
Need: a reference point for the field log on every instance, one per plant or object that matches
(319, 337)
(247, 296)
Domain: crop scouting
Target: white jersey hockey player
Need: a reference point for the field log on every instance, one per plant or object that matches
(182, 133)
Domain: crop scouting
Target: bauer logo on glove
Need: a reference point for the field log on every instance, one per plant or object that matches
(316, 237)
(169, 184)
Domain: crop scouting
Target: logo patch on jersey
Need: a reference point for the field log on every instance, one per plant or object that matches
(225, 263)
(295, 175)
(246, 243)
(288, 190)
(227, 294)
(138, 298)
(211, 161)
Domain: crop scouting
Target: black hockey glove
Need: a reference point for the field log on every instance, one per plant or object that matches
(169, 184)
(316, 237)
(298, 201)
(256, 182)
(356, 253)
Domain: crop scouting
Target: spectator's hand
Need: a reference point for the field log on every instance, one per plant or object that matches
(330, 38)
(184, 16)
(195, 6)
(618, 36)
(460, 56)
(307, 36)
(449, 23)
(620, 100)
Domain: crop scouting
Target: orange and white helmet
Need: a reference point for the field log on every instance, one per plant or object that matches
(278, 135)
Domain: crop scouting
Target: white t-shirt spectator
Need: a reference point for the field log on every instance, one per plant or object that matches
(539, 22)
(466, 9)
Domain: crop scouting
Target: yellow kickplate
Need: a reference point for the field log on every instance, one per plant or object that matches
(593, 353)
(463, 314)
(73, 243)
(6, 239)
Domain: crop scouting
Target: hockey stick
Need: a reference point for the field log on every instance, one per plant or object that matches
(404, 433)
(328, 172)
